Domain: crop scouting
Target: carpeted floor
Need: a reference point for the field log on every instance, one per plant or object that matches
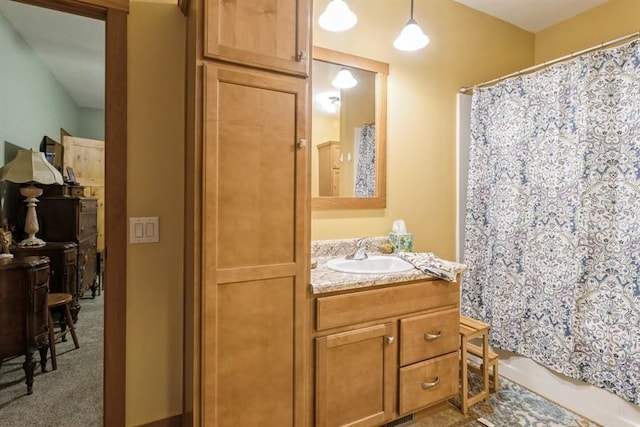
(70, 396)
(511, 406)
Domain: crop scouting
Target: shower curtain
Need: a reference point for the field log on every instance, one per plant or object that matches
(365, 168)
(553, 217)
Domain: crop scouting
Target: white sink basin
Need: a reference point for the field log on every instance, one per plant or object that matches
(375, 264)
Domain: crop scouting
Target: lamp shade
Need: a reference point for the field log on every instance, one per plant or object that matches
(337, 17)
(344, 80)
(411, 37)
(30, 166)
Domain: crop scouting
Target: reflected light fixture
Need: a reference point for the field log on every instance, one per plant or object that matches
(344, 80)
(337, 17)
(411, 38)
(33, 168)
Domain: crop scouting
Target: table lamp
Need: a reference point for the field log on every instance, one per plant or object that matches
(31, 167)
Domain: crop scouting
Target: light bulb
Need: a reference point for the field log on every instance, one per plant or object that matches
(337, 17)
(344, 80)
(411, 37)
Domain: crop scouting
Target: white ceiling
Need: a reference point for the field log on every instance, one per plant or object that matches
(532, 15)
(72, 47)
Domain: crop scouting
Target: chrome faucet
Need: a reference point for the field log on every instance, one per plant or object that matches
(359, 250)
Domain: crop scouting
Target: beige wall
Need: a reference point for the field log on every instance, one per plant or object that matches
(609, 21)
(466, 47)
(155, 187)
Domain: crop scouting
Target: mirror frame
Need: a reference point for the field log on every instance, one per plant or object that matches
(382, 71)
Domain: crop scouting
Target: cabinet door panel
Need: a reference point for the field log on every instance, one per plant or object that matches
(355, 377)
(255, 252)
(262, 33)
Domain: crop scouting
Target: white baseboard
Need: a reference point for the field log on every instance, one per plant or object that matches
(584, 399)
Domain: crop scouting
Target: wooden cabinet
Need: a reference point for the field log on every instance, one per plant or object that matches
(73, 219)
(63, 265)
(255, 245)
(355, 376)
(408, 371)
(248, 214)
(23, 311)
(268, 34)
(329, 169)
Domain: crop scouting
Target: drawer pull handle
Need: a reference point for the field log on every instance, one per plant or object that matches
(431, 337)
(390, 340)
(427, 386)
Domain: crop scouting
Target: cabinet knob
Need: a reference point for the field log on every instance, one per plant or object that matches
(431, 337)
(390, 340)
(302, 143)
(428, 385)
(301, 56)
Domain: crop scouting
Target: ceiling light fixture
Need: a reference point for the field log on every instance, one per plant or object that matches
(344, 79)
(337, 17)
(411, 38)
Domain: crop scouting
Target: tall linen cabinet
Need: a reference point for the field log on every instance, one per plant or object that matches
(248, 213)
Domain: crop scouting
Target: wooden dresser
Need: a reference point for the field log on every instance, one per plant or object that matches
(23, 311)
(63, 259)
(73, 219)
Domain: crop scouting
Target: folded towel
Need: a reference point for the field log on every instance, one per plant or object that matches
(431, 264)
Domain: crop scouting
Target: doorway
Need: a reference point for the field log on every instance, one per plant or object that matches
(114, 14)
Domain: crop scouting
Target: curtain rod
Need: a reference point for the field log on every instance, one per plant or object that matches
(554, 61)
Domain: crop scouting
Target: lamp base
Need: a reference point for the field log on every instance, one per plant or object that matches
(32, 242)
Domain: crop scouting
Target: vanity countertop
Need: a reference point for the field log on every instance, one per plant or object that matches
(324, 280)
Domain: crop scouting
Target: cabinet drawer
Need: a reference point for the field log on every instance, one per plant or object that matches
(88, 225)
(88, 205)
(358, 307)
(429, 335)
(428, 382)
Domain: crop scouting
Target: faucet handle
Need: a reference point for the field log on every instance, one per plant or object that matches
(360, 242)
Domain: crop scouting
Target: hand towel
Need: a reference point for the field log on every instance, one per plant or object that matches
(431, 264)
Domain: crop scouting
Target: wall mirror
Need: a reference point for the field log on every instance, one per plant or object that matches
(349, 131)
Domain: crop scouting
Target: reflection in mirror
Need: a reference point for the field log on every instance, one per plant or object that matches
(348, 131)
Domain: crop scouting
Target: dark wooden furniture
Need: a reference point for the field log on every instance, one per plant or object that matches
(73, 219)
(23, 311)
(54, 301)
(63, 263)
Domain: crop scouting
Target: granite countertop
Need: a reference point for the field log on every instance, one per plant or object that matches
(324, 280)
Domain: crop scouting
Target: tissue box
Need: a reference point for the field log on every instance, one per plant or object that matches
(403, 242)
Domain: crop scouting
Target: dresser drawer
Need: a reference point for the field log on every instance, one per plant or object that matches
(87, 225)
(88, 205)
(429, 335)
(428, 382)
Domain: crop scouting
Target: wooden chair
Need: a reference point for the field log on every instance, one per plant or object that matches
(470, 329)
(54, 301)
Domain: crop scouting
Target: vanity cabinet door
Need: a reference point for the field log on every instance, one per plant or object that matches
(356, 377)
(269, 34)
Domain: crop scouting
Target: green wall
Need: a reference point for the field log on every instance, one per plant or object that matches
(32, 102)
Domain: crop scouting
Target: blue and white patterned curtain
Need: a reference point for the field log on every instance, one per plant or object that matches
(365, 168)
(553, 217)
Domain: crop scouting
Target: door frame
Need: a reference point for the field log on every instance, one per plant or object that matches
(114, 13)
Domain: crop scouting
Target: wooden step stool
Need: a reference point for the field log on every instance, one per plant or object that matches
(470, 329)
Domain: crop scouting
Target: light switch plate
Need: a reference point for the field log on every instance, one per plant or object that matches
(144, 229)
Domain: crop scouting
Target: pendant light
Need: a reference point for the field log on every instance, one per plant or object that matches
(344, 80)
(337, 17)
(411, 37)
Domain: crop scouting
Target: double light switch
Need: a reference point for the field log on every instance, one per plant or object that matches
(144, 229)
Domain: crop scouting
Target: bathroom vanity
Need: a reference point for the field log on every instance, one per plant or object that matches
(385, 346)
